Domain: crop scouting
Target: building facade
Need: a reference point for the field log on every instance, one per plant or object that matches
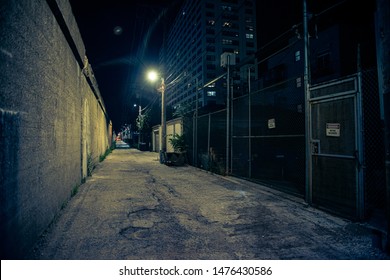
(201, 33)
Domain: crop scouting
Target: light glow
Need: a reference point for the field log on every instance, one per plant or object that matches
(152, 76)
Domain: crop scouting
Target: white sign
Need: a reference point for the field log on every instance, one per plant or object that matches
(333, 129)
(271, 123)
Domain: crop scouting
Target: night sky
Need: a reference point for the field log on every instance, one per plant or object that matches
(123, 39)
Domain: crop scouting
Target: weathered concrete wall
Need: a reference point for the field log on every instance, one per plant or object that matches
(52, 118)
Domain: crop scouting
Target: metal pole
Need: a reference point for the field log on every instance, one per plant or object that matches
(359, 141)
(227, 114)
(196, 123)
(193, 140)
(139, 114)
(307, 105)
(163, 123)
(231, 129)
(249, 125)
(383, 46)
(208, 140)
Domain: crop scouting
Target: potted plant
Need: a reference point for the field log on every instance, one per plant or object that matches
(178, 157)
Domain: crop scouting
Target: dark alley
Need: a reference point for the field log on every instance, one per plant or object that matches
(132, 207)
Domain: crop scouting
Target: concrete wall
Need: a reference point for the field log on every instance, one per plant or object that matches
(52, 118)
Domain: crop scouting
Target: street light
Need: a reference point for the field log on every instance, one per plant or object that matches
(153, 76)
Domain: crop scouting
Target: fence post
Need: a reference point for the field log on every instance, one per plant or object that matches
(307, 104)
(208, 139)
(383, 46)
(227, 114)
(249, 125)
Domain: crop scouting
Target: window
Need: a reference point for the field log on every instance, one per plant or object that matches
(210, 48)
(323, 66)
(297, 55)
(249, 36)
(230, 33)
(227, 24)
(230, 16)
(249, 28)
(227, 8)
(210, 31)
(228, 50)
(299, 82)
(323, 61)
(211, 93)
(227, 42)
(275, 75)
(248, 3)
(211, 22)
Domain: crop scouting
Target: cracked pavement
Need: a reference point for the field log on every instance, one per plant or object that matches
(133, 207)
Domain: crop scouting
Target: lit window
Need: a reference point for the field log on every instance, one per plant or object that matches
(297, 55)
(227, 8)
(249, 36)
(212, 93)
(211, 22)
(227, 42)
(227, 24)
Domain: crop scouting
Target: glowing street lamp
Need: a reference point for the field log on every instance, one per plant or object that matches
(153, 76)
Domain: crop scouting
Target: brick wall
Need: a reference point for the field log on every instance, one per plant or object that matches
(52, 118)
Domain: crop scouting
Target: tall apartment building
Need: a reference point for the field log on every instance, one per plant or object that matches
(202, 31)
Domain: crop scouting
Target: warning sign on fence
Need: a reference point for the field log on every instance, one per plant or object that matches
(333, 129)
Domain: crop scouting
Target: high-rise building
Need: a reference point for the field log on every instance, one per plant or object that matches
(202, 31)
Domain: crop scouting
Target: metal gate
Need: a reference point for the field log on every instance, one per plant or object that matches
(336, 147)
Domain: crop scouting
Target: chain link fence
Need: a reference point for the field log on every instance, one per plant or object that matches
(374, 153)
(269, 136)
(267, 139)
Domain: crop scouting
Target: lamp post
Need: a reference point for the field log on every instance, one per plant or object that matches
(153, 76)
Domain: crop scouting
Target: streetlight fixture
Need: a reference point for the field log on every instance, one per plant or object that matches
(153, 76)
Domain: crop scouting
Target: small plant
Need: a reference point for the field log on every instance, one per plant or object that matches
(90, 165)
(178, 143)
(74, 191)
(103, 156)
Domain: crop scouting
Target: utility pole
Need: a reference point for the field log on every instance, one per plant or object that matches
(306, 80)
(163, 123)
(383, 52)
(227, 114)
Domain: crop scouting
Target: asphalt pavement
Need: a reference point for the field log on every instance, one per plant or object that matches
(133, 207)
